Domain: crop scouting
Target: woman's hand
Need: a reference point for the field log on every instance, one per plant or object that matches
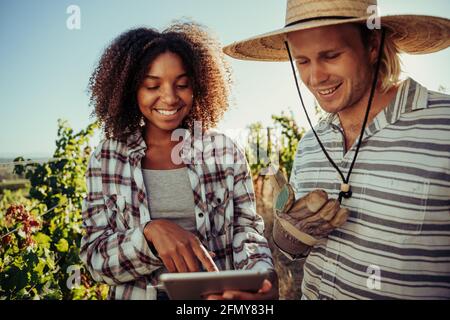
(179, 250)
(268, 291)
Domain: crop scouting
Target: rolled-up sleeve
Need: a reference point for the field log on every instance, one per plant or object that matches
(250, 247)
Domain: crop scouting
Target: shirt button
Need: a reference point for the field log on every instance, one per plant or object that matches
(200, 215)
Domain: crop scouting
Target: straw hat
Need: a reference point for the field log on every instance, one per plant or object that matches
(414, 34)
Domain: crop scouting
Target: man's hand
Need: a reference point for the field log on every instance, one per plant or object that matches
(179, 250)
(315, 214)
(305, 220)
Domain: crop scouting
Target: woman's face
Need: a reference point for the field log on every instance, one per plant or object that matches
(334, 64)
(165, 96)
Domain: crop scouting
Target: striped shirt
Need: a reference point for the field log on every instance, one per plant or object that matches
(396, 242)
(116, 210)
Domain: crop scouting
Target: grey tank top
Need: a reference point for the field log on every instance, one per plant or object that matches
(170, 196)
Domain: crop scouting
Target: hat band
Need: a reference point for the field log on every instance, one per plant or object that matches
(318, 18)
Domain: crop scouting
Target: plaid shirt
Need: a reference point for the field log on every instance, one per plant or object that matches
(116, 210)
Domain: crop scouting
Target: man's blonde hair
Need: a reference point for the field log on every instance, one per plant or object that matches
(390, 66)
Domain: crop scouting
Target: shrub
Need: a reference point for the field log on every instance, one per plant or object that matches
(41, 233)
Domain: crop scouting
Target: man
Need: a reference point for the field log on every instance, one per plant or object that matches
(380, 157)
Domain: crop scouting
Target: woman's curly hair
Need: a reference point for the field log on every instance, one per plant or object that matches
(122, 67)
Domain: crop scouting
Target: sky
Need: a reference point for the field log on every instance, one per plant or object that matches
(45, 66)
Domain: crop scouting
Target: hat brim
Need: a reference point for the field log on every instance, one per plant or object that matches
(413, 34)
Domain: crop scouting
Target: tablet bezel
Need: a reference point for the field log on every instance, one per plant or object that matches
(195, 285)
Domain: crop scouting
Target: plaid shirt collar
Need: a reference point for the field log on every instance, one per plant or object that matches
(136, 146)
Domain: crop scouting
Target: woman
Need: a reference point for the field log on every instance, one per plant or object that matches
(151, 207)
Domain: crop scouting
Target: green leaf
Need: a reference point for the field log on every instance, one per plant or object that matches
(39, 268)
(62, 245)
(42, 240)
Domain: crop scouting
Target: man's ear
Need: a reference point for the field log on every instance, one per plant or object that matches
(374, 46)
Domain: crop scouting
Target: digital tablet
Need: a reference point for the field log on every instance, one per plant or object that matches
(196, 285)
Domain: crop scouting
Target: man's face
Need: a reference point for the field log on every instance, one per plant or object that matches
(333, 64)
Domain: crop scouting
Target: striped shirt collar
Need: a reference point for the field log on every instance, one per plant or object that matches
(411, 96)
